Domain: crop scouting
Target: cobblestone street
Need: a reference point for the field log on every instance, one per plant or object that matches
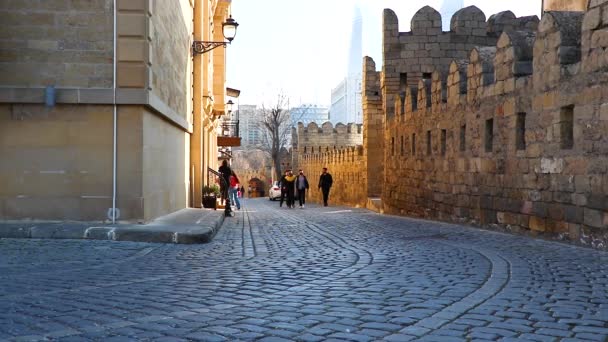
(278, 274)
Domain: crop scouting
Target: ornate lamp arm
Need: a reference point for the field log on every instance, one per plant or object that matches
(200, 47)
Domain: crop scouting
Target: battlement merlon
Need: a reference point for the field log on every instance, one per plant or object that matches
(312, 138)
(520, 59)
(411, 56)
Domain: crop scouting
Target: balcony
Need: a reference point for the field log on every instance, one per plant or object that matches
(229, 134)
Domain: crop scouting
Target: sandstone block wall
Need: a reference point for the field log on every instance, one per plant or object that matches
(313, 138)
(170, 72)
(514, 135)
(412, 56)
(565, 5)
(373, 129)
(62, 43)
(346, 166)
(165, 166)
(56, 162)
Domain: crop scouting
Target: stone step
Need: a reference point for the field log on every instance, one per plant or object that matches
(375, 204)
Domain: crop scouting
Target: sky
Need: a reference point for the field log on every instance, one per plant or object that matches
(300, 47)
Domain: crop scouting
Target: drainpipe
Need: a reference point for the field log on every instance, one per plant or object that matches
(114, 122)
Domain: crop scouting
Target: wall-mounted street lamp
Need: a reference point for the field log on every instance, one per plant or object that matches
(228, 30)
(229, 105)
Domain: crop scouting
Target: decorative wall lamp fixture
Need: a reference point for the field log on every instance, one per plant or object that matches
(228, 30)
(229, 105)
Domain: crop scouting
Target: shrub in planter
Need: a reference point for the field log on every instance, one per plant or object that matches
(210, 195)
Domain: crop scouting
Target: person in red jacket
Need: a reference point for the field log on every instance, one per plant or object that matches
(234, 188)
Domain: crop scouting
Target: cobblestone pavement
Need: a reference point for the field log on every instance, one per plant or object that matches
(278, 274)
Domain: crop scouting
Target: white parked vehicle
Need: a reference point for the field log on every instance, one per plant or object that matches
(274, 193)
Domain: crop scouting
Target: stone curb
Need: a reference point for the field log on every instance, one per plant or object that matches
(156, 232)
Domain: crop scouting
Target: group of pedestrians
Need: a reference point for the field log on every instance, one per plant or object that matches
(293, 186)
(230, 186)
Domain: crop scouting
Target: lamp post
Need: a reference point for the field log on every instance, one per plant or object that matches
(229, 32)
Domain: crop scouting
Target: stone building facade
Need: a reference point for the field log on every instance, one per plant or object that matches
(511, 135)
(57, 160)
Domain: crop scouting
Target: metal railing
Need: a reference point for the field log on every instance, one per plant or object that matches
(230, 128)
(223, 188)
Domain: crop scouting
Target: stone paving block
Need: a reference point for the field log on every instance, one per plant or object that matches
(283, 333)
(310, 338)
(511, 327)
(400, 337)
(204, 336)
(138, 292)
(351, 337)
(372, 332)
(483, 336)
(274, 339)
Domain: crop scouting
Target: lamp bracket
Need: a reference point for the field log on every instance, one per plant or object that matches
(200, 47)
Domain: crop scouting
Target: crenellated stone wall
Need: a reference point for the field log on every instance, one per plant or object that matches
(313, 138)
(411, 56)
(512, 136)
(504, 125)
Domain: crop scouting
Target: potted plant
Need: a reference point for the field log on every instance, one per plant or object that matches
(210, 195)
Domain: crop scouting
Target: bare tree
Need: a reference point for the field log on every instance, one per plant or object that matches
(275, 125)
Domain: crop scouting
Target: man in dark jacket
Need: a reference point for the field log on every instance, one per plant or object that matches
(325, 182)
(226, 172)
(283, 186)
(301, 186)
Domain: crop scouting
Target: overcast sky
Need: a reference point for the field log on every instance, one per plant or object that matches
(301, 47)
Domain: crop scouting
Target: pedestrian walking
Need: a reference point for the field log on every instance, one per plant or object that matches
(234, 188)
(282, 185)
(242, 191)
(301, 186)
(290, 189)
(226, 172)
(325, 182)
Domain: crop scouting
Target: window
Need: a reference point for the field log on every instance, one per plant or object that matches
(414, 144)
(463, 138)
(427, 75)
(402, 81)
(429, 147)
(402, 146)
(392, 146)
(489, 136)
(444, 138)
(520, 131)
(566, 127)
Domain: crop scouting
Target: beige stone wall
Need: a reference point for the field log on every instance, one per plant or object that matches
(170, 49)
(410, 56)
(548, 175)
(165, 163)
(347, 169)
(63, 43)
(565, 5)
(373, 129)
(57, 163)
(312, 138)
